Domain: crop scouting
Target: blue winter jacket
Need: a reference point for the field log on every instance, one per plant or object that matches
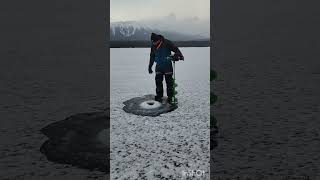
(159, 55)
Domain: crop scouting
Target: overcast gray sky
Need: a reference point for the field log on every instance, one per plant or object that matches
(127, 10)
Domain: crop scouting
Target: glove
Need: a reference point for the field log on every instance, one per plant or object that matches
(150, 70)
(177, 57)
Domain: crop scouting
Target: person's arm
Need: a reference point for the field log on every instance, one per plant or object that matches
(175, 49)
(151, 61)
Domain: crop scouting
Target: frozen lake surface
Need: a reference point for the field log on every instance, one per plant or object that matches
(167, 145)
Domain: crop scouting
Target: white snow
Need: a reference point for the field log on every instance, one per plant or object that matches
(191, 26)
(128, 28)
(172, 143)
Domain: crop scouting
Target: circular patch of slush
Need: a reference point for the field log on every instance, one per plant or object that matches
(147, 106)
(80, 140)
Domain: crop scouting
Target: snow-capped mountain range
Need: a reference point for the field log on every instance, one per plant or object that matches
(139, 31)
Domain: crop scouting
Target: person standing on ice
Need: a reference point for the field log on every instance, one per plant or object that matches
(160, 51)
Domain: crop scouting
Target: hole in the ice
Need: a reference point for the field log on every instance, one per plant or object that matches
(150, 104)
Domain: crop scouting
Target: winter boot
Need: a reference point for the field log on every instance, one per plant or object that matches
(157, 98)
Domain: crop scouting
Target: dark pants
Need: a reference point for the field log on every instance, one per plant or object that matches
(159, 85)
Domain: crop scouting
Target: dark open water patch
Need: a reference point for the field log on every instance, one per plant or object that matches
(147, 106)
(80, 140)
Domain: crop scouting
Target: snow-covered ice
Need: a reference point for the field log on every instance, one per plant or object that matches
(167, 145)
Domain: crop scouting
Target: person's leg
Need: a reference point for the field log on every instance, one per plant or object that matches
(169, 82)
(159, 85)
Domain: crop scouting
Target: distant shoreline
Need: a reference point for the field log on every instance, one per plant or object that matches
(142, 44)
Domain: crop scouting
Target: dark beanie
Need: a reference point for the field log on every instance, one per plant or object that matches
(155, 37)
